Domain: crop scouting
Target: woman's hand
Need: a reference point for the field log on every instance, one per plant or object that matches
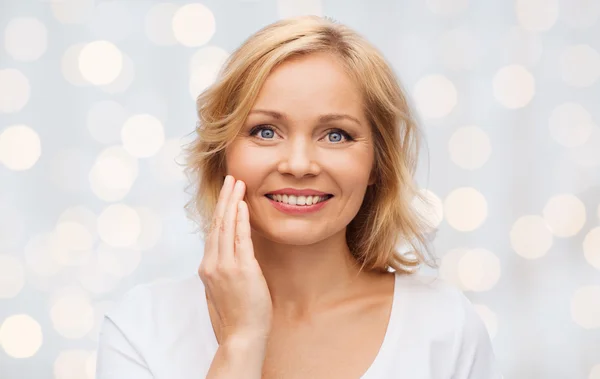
(233, 279)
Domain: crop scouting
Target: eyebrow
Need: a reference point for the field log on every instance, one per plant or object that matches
(323, 119)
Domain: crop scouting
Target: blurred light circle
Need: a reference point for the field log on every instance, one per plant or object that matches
(514, 86)
(209, 57)
(458, 49)
(104, 121)
(73, 364)
(449, 267)
(537, 15)
(580, 14)
(479, 270)
(142, 135)
(465, 209)
(119, 225)
(20, 147)
(205, 65)
(12, 277)
(447, 7)
(69, 66)
(119, 262)
(431, 208)
(522, 47)
(14, 90)
(100, 62)
(72, 314)
(90, 365)
(531, 237)
(111, 21)
(291, 8)
(167, 164)
(72, 11)
(565, 214)
(591, 247)
(193, 25)
(39, 253)
(74, 236)
(435, 96)
(25, 39)
(113, 174)
(158, 24)
(580, 66)
(571, 124)
(469, 147)
(124, 80)
(20, 336)
(489, 318)
(585, 307)
(151, 230)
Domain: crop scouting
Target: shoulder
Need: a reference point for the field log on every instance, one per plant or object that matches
(436, 301)
(159, 302)
(445, 313)
(426, 293)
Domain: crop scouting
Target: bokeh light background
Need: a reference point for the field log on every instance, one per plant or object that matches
(96, 100)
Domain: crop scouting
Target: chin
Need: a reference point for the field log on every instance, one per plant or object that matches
(294, 233)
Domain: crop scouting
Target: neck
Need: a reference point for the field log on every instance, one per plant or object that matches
(305, 278)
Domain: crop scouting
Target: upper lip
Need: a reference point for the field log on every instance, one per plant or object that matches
(298, 192)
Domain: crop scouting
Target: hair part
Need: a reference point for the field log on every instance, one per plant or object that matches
(387, 217)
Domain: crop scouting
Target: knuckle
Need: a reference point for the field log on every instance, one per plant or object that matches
(225, 268)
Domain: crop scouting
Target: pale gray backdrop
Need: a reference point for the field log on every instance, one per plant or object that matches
(97, 98)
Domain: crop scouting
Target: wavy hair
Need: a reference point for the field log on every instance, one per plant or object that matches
(388, 217)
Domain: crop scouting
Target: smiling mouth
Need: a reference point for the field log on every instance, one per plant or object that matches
(299, 200)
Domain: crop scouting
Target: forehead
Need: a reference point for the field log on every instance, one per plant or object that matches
(310, 84)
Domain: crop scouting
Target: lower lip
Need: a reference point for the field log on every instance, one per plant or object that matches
(298, 209)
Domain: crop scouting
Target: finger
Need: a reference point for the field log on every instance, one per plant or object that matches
(244, 251)
(212, 239)
(227, 232)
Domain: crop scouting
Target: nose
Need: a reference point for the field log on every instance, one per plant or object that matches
(298, 159)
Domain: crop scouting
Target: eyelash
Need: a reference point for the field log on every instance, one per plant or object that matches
(347, 137)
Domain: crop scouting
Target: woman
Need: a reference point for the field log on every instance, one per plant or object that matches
(302, 175)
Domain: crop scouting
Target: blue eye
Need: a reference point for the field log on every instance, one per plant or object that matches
(266, 132)
(336, 133)
(263, 131)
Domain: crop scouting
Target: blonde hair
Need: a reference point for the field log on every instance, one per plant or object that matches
(387, 216)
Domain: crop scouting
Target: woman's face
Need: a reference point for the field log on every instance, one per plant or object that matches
(307, 130)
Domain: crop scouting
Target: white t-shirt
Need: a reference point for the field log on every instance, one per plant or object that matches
(163, 331)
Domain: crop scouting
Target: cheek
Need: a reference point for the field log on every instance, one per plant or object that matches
(352, 167)
(246, 163)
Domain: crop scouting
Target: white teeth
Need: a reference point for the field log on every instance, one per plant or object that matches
(298, 200)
